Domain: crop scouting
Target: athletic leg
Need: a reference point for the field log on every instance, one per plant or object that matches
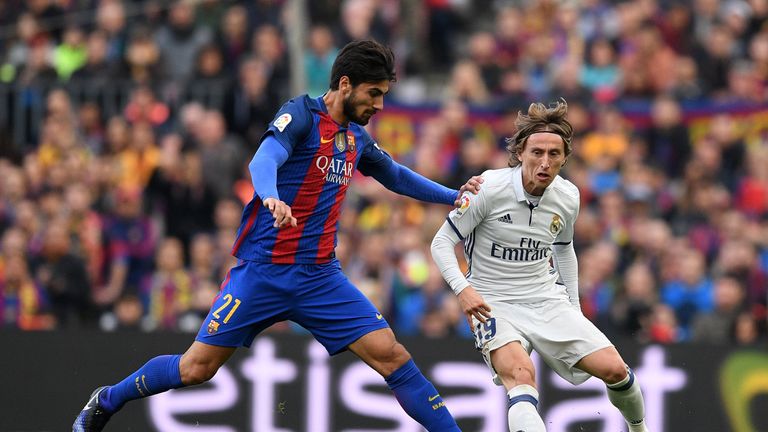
(418, 397)
(160, 374)
(236, 316)
(341, 318)
(623, 387)
(514, 367)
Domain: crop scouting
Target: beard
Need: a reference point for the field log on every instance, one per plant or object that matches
(349, 107)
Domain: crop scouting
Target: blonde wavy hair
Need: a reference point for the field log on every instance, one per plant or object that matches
(540, 118)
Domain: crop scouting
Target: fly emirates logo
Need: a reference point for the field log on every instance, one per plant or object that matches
(335, 170)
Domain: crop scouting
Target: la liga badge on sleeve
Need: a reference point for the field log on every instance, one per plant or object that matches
(282, 121)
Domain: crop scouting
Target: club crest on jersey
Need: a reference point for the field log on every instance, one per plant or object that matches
(341, 142)
(282, 121)
(556, 225)
(351, 143)
(213, 327)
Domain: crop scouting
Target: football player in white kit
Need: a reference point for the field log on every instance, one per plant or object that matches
(514, 300)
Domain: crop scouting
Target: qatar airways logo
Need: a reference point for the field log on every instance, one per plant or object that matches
(335, 170)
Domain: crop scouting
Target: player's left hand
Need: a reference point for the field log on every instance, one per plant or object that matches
(472, 185)
(281, 212)
(473, 305)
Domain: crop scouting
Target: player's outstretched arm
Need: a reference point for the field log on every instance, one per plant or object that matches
(402, 180)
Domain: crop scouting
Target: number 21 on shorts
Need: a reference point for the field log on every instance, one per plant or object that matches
(227, 300)
(484, 332)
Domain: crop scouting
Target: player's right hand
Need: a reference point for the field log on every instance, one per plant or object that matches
(473, 305)
(281, 212)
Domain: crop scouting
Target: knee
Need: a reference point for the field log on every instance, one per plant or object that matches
(517, 375)
(615, 373)
(195, 370)
(390, 358)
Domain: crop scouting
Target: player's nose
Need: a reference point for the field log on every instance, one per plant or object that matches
(378, 103)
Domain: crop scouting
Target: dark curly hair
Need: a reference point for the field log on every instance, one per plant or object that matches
(363, 61)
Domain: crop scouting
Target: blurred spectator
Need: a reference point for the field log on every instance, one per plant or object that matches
(210, 81)
(475, 156)
(482, 51)
(28, 34)
(746, 331)
(222, 155)
(177, 191)
(71, 53)
(731, 148)
(252, 103)
(667, 138)
(23, 303)
(62, 274)
(318, 60)
(37, 71)
(91, 127)
(467, 84)
(168, 292)
(690, 291)
(609, 139)
(130, 244)
(633, 306)
(568, 85)
(142, 59)
(600, 72)
(663, 326)
(180, 41)
(268, 45)
(110, 18)
(135, 164)
(143, 107)
(716, 327)
(126, 316)
(714, 58)
(442, 24)
(232, 36)
(85, 228)
(687, 85)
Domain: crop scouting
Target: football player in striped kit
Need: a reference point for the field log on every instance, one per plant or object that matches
(287, 269)
(514, 300)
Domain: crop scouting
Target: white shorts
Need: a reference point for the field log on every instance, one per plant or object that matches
(558, 332)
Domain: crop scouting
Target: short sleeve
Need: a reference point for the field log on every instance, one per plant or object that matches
(291, 124)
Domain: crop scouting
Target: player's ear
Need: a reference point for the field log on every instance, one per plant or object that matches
(345, 86)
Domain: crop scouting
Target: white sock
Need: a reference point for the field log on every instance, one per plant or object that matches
(626, 396)
(522, 414)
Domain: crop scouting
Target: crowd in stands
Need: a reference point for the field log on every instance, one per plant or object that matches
(121, 197)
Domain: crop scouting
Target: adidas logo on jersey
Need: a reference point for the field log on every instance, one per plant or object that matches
(505, 219)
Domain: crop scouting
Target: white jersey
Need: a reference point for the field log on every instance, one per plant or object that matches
(508, 242)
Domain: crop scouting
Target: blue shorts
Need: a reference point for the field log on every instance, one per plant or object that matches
(319, 297)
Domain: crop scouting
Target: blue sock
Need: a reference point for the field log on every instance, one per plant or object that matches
(420, 400)
(156, 376)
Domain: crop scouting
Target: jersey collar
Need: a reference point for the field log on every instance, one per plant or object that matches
(517, 183)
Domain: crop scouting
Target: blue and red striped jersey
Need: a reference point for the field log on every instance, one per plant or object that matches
(323, 156)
